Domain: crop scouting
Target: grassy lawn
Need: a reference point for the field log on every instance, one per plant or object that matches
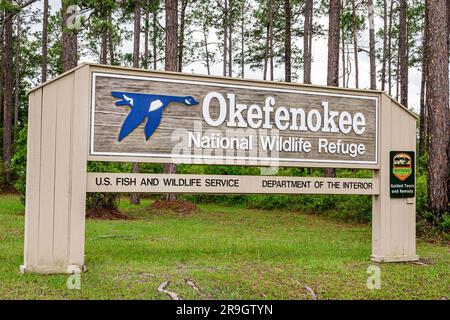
(229, 252)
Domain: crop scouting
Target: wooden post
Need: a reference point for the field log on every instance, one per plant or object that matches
(393, 220)
(56, 175)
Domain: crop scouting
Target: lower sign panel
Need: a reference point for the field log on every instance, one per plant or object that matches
(220, 184)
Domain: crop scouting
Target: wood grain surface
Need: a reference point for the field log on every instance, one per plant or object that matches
(170, 139)
(227, 184)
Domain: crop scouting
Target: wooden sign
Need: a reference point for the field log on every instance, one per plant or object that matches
(215, 122)
(105, 113)
(220, 184)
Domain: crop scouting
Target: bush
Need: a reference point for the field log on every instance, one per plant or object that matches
(102, 201)
(352, 207)
(3, 182)
(445, 224)
(19, 163)
(348, 207)
(422, 196)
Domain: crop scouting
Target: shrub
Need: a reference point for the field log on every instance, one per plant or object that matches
(422, 196)
(19, 163)
(102, 201)
(348, 207)
(352, 207)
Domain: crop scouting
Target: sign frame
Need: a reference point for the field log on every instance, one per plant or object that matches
(143, 182)
(191, 159)
(58, 151)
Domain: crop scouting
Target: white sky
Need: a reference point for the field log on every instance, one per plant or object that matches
(319, 65)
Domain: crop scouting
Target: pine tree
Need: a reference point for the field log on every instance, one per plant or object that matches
(171, 60)
(307, 41)
(333, 54)
(438, 104)
(7, 91)
(44, 42)
(69, 52)
(373, 71)
(135, 198)
(403, 54)
(287, 42)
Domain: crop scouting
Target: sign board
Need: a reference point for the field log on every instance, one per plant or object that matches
(104, 113)
(185, 121)
(221, 184)
(402, 174)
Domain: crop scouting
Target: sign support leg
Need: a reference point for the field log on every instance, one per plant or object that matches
(393, 220)
(56, 176)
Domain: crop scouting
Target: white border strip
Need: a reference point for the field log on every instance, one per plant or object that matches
(193, 157)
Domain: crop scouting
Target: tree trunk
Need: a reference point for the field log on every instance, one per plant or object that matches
(333, 54)
(230, 41)
(333, 44)
(135, 197)
(2, 63)
(111, 39)
(448, 23)
(348, 67)
(389, 55)
(397, 78)
(243, 40)
(137, 34)
(385, 34)
(69, 54)
(146, 42)
(266, 49)
(355, 43)
(154, 39)
(104, 46)
(44, 43)
(306, 42)
(230, 50)
(423, 85)
(171, 60)
(343, 58)
(271, 68)
(403, 52)
(17, 80)
(437, 101)
(205, 39)
(225, 38)
(373, 71)
(287, 42)
(184, 4)
(448, 148)
(104, 38)
(8, 98)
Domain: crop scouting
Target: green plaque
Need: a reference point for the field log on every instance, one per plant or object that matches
(402, 174)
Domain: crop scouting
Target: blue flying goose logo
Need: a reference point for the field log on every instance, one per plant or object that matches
(148, 106)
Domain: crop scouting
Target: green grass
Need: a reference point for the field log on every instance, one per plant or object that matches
(229, 252)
